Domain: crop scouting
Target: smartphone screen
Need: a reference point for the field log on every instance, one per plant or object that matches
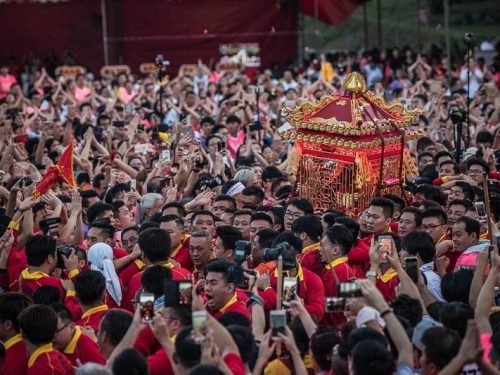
(349, 289)
(481, 212)
(411, 268)
(165, 155)
(385, 245)
(334, 304)
(185, 288)
(278, 322)
(200, 319)
(147, 301)
(290, 289)
(133, 184)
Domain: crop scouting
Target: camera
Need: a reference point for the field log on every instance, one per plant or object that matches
(65, 250)
(241, 250)
(285, 250)
(160, 62)
(469, 37)
(457, 115)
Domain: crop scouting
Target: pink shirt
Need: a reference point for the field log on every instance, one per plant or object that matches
(234, 142)
(81, 93)
(125, 96)
(5, 83)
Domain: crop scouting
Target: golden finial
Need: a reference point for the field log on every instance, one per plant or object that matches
(354, 83)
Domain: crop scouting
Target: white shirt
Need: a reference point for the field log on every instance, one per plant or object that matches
(433, 280)
(476, 78)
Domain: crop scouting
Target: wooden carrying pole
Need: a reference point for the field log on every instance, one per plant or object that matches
(487, 207)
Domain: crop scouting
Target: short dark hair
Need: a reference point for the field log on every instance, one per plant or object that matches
(370, 357)
(433, 193)
(245, 341)
(471, 226)
(62, 311)
(270, 173)
(290, 237)
(90, 287)
(365, 333)
(105, 226)
(253, 190)
(167, 218)
(279, 215)
(86, 195)
(205, 370)
(417, 214)
(322, 342)
(456, 168)
(397, 200)
(422, 154)
(134, 228)
(218, 266)
(226, 198)
(153, 279)
(341, 236)
(467, 189)
(441, 344)
(409, 308)
(455, 315)
(455, 286)
(155, 244)
(477, 161)
(228, 235)
(262, 216)
(421, 244)
(188, 352)
(233, 318)
(423, 143)
(302, 204)
(242, 213)
(350, 224)
(437, 212)
(130, 362)
(386, 204)
(96, 211)
(116, 323)
(266, 237)
(116, 207)
(202, 212)
(38, 249)
(47, 295)
(440, 154)
(98, 178)
(181, 211)
(310, 225)
(38, 324)
(11, 305)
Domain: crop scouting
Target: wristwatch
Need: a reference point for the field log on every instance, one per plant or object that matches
(371, 274)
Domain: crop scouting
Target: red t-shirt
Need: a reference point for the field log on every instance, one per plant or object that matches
(48, 361)
(310, 259)
(233, 305)
(5, 83)
(82, 347)
(181, 254)
(92, 317)
(387, 284)
(16, 360)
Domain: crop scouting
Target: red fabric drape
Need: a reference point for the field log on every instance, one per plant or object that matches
(333, 12)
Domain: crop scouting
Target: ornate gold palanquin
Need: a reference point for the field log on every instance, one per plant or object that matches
(349, 147)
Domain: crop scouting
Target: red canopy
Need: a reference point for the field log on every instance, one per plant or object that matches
(330, 11)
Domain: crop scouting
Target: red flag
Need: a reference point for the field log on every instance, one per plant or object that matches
(61, 172)
(333, 12)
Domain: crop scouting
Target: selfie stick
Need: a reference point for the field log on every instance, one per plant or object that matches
(487, 207)
(279, 286)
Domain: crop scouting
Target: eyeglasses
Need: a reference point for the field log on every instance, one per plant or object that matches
(64, 326)
(294, 215)
(475, 171)
(430, 227)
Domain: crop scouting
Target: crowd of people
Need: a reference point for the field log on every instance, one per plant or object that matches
(163, 259)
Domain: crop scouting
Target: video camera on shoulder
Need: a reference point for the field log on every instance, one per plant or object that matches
(241, 251)
(285, 250)
(65, 250)
(49, 226)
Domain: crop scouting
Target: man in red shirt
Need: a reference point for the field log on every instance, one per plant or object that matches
(155, 247)
(310, 230)
(220, 290)
(200, 251)
(90, 287)
(38, 325)
(335, 246)
(174, 226)
(310, 287)
(16, 360)
(42, 260)
(114, 325)
(72, 342)
(378, 217)
(359, 255)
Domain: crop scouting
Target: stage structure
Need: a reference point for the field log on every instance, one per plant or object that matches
(350, 147)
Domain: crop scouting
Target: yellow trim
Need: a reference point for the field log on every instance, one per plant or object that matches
(94, 310)
(441, 239)
(70, 293)
(229, 303)
(307, 249)
(71, 347)
(484, 236)
(12, 341)
(336, 262)
(32, 276)
(179, 246)
(388, 275)
(139, 263)
(47, 348)
(173, 338)
(73, 273)
(300, 272)
(168, 265)
(14, 225)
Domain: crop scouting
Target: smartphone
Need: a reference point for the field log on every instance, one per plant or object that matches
(334, 304)
(349, 289)
(385, 245)
(221, 146)
(140, 127)
(411, 268)
(256, 126)
(290, 290)
(165, 155)
(278, 322)
(141, 149)
(178, 293)
(200, 320)
(2, 176)
(147, 301)
(133, 184)
(481, 212)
